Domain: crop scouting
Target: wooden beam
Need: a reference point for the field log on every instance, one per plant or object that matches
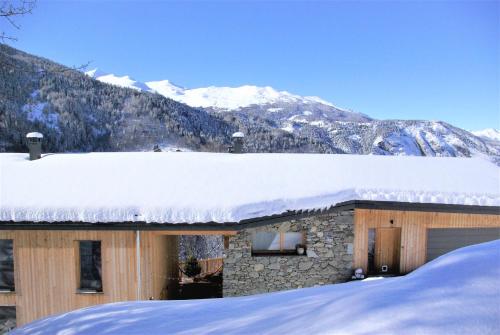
(197, 232)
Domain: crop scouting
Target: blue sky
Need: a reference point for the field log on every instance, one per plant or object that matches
(409, 60)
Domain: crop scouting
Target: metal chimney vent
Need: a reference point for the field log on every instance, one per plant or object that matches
(34, 142)
(237, 143)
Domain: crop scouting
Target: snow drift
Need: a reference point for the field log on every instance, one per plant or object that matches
(457, 293)
(202, 187)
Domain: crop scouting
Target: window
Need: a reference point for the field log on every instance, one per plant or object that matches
(90, 266)
(7, 318)
(6, 265)
(276, 242)
(371, 250)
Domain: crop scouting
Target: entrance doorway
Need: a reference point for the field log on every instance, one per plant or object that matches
(384, 246)
(200, 266)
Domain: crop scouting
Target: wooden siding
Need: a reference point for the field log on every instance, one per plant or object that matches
(159, 265)
(414, 225)
(45, 269)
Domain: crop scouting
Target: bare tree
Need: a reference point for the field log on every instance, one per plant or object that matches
(9, 10)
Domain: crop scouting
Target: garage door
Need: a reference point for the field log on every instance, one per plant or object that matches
(443, 240)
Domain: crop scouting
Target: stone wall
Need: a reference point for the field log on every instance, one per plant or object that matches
(329, 259)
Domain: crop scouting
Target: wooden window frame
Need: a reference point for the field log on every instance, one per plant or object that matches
(79, 289)
(282, 251)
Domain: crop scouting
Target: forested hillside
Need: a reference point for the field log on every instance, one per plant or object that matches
(78, 113)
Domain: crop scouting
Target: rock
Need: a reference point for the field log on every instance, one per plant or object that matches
(258, 267)
(305, 265)
(310, 253)
(274, 266)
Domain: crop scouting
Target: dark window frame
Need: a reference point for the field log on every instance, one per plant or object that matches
(89, 266)
(10, 267)
(281, 251)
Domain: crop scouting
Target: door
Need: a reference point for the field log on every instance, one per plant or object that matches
(387, 250)
(443, 240)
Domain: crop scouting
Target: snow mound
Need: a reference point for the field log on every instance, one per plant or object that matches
(170, 187)
(457, 293)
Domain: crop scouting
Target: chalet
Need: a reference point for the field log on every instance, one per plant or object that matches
(91, 228)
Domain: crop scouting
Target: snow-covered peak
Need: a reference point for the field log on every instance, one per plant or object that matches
(166, 88)
(489, 133)
(231, 98)
(222, 98)
(95, 73)
(123, 81)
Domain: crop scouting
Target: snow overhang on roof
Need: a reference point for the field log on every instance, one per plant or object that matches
(206, 187)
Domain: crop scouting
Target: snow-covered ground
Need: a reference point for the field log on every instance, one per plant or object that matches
(193, 187)
(458, 293)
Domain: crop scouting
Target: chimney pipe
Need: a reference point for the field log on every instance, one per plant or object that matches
(34, 141)
(237, 143)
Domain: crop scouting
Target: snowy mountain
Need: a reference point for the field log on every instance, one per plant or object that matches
(488, 134)
(341, 130)
(268, 101)
(76, 112)
(348, 131)
(123, 81)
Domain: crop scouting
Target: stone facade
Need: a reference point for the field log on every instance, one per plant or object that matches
(329, 259)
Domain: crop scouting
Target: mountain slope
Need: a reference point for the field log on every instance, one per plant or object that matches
(78, 113)
(488, 134)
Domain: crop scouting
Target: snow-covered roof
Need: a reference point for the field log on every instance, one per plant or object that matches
(34, 134)
(170, 187)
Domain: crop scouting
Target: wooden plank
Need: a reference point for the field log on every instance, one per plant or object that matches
(196, 232)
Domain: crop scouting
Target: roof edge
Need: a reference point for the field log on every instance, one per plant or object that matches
(253, 222)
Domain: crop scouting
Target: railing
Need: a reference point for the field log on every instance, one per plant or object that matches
(209, 265)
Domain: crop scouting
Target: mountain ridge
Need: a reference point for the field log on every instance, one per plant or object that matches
(224, 98)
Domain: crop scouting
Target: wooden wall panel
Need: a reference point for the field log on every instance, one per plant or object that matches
(159, 270)
(414, 227)
(45, 271)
